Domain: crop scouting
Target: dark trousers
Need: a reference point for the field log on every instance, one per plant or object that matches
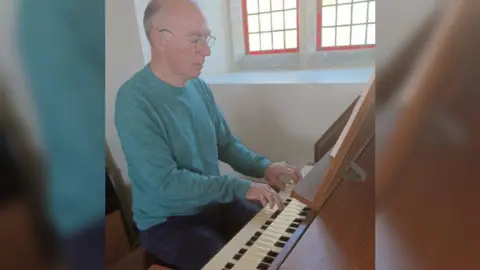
(86, 249)
(189, 242)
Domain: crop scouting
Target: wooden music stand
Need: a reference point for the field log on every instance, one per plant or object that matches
(427, 178)
(339, 162)
(330, 137)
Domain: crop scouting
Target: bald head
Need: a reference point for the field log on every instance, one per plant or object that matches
(179, 37)
(170, 13)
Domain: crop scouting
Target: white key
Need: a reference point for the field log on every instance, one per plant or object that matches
(253, 257)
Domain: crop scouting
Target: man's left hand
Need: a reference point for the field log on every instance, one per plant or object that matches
(276, 169)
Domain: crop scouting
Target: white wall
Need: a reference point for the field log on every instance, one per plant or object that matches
(284, 121)
(123, 57)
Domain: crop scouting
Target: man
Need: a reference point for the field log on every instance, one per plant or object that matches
(173, 135)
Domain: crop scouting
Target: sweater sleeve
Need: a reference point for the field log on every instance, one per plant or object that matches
(152, 166)
(231, 149)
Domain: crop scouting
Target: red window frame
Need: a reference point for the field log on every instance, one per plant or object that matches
(334, 48)
(275, 51)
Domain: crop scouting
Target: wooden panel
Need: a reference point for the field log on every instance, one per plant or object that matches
(365, 102)
(342, 236)
(330, 137)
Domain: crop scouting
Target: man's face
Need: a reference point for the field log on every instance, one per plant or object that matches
(186, 44)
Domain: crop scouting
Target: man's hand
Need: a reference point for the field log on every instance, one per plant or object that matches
(275, 170)
(265, 194)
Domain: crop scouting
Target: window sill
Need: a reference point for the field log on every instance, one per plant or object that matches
(323, 76)
(317, 60)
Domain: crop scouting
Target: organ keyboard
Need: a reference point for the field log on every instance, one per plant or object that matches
(258, 244)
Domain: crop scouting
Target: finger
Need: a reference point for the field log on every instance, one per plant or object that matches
(268, 196)
(278, 201)
(279, 184)
(271, 200)
(269, 189)
(294, 172)
(263, 201)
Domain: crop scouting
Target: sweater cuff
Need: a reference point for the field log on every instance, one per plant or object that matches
(263, 164)
(241, 188)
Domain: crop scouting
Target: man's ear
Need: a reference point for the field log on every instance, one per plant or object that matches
(159, 40)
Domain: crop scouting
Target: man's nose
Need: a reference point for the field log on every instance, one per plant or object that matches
(204, 49)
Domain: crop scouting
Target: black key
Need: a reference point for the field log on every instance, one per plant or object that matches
(242, 251)
(262, 266)
(229, 265)
(253, 238)
(294, 225)
(279, 244)
(257, 234)
(275, 215)
(272, 254)
(237, 257)
(290, 230)
(250, 243)
(268, 222)
(303, 213)
(306, 208)
(268, 260)
(264, 227)
(298, 220)
(284, 238)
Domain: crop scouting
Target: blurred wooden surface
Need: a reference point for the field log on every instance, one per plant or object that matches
(428, 188)
(18, 245)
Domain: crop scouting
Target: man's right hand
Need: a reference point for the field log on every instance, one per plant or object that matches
(265, 194)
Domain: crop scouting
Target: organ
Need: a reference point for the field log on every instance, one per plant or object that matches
(340, 180)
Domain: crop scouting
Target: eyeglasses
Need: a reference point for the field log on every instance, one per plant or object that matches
(209, 40)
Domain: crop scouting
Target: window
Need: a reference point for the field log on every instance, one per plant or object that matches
(345, 24)
(270, 26)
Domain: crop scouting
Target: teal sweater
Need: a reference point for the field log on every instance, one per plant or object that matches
(173, 139)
